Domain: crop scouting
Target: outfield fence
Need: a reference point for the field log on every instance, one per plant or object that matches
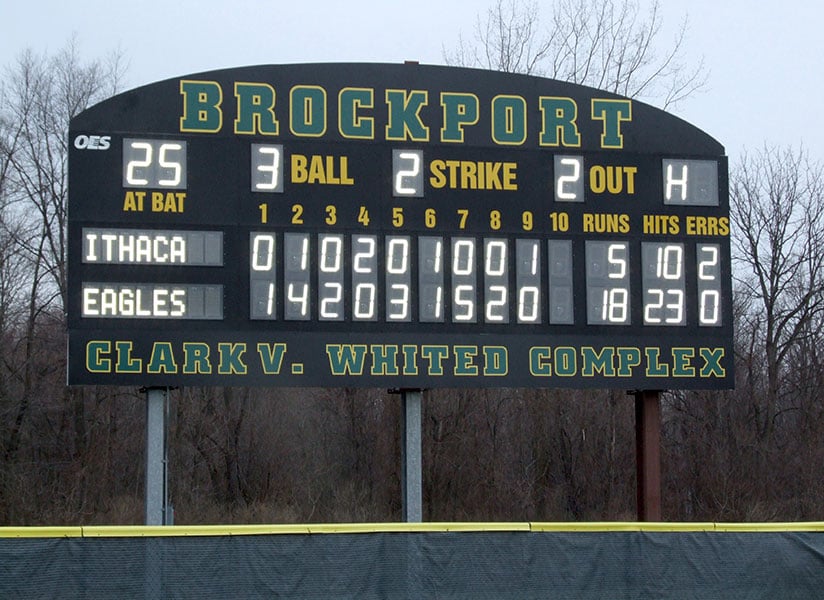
(410, 561)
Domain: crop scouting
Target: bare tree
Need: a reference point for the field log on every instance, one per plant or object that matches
(605, 44)
(746, 455)
(507, 40)
(5, 155)
(777, 208)
(42, 95)
(39, 95)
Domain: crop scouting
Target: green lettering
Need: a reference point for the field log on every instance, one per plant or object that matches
(255, 109)
(404, 115)
(559, 127)
(628, 359)
(597, 362)
(350, 123)
(540, 364)
(712, 362)
(464, 356)
(307, 110)
(346, 359)
(196, 358)
(95, 363)
(509, 120)
(384, 359)
(231, 361)
(126, 363)
(654, 366)
(566, 361)
(271, 357)
(410, 355)
(201, 106)
(459, 110)
(612, 113)
(435, 355)
(162, 359)
(496, 362)
(681, 358)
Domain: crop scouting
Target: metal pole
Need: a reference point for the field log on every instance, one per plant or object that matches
(156, 472)
(648, 454)
(411, 457)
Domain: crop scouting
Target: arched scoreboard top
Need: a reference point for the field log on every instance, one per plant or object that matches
(356, 102)
(403, 226)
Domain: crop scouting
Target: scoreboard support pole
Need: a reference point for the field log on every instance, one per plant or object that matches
(157, 454)
(412, 488)
(648, 454)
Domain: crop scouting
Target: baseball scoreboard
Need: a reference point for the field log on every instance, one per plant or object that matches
(400, 226)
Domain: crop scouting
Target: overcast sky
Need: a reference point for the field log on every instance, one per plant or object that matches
(765, 59)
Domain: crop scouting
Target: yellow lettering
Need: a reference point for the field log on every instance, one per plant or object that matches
(316, 174)
(701, 225)
(612, 179)
(168, 201)
(133, 202)
(438, 179)
(321, 169)
(661, 224)
(605, 223)
(299, 172)
(473, 175)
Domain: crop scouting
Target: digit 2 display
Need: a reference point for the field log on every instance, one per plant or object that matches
(402, 226)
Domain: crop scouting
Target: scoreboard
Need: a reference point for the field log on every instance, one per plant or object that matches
(402, 226)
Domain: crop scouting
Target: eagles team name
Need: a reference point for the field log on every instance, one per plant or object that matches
(260, 110)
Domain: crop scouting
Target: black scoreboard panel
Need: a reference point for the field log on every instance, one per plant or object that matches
(395, 226)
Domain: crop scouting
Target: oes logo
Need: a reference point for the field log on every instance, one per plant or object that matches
(92, 142)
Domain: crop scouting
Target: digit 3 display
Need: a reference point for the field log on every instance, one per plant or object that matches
(400, 226)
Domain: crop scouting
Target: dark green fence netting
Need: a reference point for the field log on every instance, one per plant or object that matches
(474, 565)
